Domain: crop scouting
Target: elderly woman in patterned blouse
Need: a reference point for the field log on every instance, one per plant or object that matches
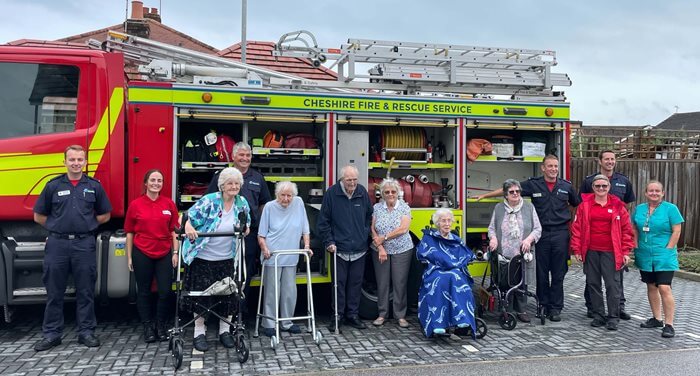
(393, 251)
(211, 259)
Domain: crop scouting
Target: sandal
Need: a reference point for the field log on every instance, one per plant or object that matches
(403, 323)
(379, 321)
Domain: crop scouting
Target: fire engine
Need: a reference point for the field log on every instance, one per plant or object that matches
(417, 115)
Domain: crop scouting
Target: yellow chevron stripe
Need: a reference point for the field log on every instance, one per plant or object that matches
(29, 173)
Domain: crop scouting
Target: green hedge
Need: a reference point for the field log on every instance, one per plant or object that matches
(689, 259)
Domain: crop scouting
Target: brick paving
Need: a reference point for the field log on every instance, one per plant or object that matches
(123, 352)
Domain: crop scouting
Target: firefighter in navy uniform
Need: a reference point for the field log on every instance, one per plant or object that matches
(621, 187)
(71, 206)
(552, 198)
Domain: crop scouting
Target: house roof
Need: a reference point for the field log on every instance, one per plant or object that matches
(681, 121)
(158, 32)
(260, 54)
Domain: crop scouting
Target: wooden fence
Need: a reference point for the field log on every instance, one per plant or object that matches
(643, 155)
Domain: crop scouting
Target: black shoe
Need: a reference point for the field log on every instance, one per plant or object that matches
(226, 339)
(589, 314)
(331, 326)
(149, 334)
(45, 344)
(356, 323)
(624, 315)
(554, 316)
(668, 332)
(611, 325)
(652, 323)
(200, 343)
(161, 332)
(524, 317)
(89, 340)
(597, 323)
(294, 329)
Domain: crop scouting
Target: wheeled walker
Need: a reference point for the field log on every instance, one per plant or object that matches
(227, 286)
(310, 316)
(509, 276)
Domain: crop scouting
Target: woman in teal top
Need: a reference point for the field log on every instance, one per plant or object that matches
(657, 226)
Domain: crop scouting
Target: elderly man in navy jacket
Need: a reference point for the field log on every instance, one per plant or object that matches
(343, 224)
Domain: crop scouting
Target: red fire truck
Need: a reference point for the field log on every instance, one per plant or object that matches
(411, 117)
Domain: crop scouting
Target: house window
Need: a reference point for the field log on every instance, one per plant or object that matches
(37, 99)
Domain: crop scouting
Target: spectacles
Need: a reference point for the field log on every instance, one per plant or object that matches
(514, 191)
(390, 192)
(600, 186)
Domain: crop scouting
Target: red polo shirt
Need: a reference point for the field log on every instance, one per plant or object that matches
(601, 226)
(152, 223)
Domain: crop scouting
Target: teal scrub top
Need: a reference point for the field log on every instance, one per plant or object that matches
(652, 254)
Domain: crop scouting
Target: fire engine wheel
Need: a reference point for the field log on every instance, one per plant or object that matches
(178, 353)
(507, 321)
(242, 351)
(481, 328)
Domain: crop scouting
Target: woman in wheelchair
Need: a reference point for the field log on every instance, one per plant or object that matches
(445, 298)
(211, 259)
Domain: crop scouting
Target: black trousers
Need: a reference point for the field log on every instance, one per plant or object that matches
(145, 268)
(602, 265)
(552, 256)
(587, 293)
(350, 276)
(64, 257)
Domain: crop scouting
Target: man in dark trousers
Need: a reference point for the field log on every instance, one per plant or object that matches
(621, 187)
(553, 199)
(343, 225)
(255, 191)
(71, 206)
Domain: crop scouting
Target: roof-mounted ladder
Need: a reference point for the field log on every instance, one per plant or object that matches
(434, 67)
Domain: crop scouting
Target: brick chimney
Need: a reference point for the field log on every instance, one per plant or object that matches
(136, 24)
(153, 14)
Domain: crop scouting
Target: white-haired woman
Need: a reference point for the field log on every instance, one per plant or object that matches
(393, 251)
(283, 225)
(445, 298)
(211, 259)
(514, 229)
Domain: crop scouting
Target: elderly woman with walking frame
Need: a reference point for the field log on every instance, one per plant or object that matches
(282, 225)
(211, 259)
(393, 251)
(514, 230)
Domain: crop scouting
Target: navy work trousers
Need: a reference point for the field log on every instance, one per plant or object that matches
(64, 257)
(552, 256)
(350, 276)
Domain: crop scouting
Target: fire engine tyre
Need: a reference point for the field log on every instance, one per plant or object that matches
(507, 321)
(177, 353)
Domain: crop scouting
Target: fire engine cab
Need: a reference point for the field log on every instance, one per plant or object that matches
(423, 114)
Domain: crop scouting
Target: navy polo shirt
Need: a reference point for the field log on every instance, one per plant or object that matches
(72, 209)
(552, 207)
(620, 186)
(254, 190)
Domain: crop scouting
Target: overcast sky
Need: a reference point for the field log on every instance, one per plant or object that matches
(632, 62)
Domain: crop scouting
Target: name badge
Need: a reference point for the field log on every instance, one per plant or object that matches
(64, 193)
(537, 194)
(610, 211)
(167, 212)
(645, 228)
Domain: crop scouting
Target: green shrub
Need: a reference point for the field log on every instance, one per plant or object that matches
(689, 259)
